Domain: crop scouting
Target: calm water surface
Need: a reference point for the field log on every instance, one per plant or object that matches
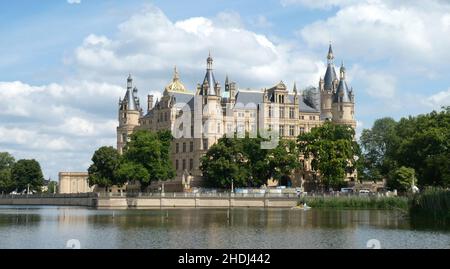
(52, 227)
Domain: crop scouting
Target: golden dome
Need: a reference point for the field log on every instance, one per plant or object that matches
(176, 85)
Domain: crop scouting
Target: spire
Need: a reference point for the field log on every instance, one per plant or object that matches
(130, 100)
(176, 76)
(226, 79)
(330, 74)
(209, 61)
(330, 55)
(295, 87)
(129, 82)
(176, 85)
(210, 81)
(342, 71)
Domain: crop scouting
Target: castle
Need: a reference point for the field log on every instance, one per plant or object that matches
(199, 118)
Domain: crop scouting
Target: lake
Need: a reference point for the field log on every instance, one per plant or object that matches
(51, 227)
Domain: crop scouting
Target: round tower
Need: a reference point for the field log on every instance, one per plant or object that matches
(129, 114)
(343, 107)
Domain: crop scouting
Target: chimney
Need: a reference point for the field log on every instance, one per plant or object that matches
(149, 103)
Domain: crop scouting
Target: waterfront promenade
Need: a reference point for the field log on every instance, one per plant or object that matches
(155, 200)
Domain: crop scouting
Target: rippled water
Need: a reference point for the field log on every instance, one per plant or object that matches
(52, 227)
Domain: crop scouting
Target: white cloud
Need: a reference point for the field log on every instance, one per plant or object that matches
(387, 30)
(149, 44)
(375, 83)
(74, 1)
(438, 100)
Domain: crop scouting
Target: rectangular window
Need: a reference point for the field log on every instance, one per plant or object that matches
(302, 130)
(291, 113)
(184, 165)
(270, 127)
(240, 128)
(184, 147)
(177, 148)
(229, 128)
(281, 112)
(302, 117)
(191, 164)
(205, 144)
(177, 165)
(270, 112)
(191, 146)
(281, 130)
(291, 130)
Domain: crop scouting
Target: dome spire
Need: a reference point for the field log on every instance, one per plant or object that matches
(330, 55)
(176, 76)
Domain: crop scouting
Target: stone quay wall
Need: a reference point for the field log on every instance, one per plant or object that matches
(180, 200)
(148, 201)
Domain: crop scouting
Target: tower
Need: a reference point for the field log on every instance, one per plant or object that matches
(343, 106)
(129, 114)
(327, 87)
(209, 92)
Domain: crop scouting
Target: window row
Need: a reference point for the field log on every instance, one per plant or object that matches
(183, 165)
(184, 147)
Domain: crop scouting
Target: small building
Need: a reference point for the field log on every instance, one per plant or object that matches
(74, 182)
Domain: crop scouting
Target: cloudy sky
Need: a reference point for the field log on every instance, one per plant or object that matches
(63, 63)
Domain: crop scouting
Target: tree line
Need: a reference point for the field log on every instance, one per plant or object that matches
(411, 149)
(244, 163)
(19, 175)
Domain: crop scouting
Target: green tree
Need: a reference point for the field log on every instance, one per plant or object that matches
(424, 146)
(401, 179)
(420, 142)
(27, 173)
(283, 160)
(6, 163)
(257, 162)
(6, 160)
(102, 172)
(224, 164)
(378, 144)
(332, 150)
(129, 171)
(150, 151)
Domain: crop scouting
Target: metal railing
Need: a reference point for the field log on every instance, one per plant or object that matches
(46, 196)
(198, 195)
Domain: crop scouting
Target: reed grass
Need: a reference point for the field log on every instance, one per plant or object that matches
(433, 204)
(356, 202)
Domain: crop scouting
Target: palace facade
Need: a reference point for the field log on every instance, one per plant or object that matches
(199, 118)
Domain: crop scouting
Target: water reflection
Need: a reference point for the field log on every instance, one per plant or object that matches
(51, 227)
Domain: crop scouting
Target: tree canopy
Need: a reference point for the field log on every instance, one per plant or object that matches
(333, 152)
(146, 158)
(102, 172)
(6, 163)
(148, 153)
(27, 173)
(421, 142)
(245, 163)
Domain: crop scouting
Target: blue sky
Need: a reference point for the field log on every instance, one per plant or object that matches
(63, 66)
